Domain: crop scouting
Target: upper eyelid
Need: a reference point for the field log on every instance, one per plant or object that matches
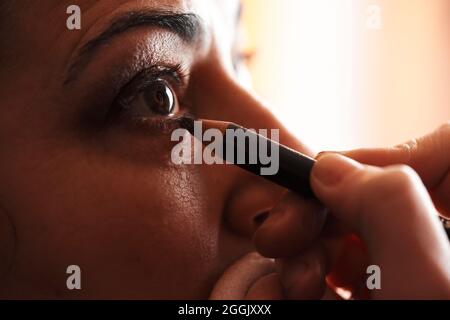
(188, 26)
(175, 72)
(146, 77)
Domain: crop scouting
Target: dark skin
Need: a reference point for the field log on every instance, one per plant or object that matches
(126, 215)
(86, 176)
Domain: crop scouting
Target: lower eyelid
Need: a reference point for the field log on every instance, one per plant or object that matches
(158, 125)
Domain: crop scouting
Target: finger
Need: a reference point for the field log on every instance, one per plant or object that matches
(239, 278)
(266, 288)
(393, 213)
(347, 256)
(429, 156)
(334, 228)
(348, 263)
(290, 227)
(303, 277)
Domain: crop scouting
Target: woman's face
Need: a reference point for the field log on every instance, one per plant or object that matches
(85, 172)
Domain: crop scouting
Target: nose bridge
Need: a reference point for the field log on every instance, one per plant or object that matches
(224, 98)
(248, 197)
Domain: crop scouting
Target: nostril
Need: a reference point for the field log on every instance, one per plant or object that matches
(249, 205)
(259, 219)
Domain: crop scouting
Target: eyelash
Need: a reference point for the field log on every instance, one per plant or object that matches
(176, 76)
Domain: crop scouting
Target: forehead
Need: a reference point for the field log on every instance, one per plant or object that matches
(226, 7)
(217, 14)
(33, 23)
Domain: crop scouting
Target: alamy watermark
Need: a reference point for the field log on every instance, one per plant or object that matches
(73, 21)
(235, 146)
(374, 18)
(374, 280)
(73, 281)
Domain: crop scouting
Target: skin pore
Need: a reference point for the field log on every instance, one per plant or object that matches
(85, 169)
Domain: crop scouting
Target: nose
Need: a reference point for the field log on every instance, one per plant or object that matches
(249, 198)
(248, 204)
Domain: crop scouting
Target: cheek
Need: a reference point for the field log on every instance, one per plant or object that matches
(135, 231)
(166, 235)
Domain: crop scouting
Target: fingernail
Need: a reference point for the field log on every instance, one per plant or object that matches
(325, 153)
(331, 169)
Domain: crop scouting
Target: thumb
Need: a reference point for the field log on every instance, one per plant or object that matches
(394, 215)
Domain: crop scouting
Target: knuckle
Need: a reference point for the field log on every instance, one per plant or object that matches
(390, 190)
(404, 171)
(393, 182)
(402, 177)
(444, 134)
(445, 127)
(409, 149)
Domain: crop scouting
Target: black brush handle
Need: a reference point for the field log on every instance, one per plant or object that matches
(294, 168)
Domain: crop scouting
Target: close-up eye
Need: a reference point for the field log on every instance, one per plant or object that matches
(158, 98)
(152, 93)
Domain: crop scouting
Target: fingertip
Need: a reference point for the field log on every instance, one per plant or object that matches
(266, 288)
(325, 153)
(331, 169)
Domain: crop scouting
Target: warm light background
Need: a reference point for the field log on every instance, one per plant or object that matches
(338, 84)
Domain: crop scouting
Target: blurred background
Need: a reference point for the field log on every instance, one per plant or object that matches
(352, 73)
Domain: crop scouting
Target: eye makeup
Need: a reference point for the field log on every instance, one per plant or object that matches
(152, 96)
(146, 64)
(153, 92)
(150, 104)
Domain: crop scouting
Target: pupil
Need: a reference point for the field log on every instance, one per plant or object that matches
(160, 98)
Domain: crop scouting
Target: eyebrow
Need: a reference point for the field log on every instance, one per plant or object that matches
(187, 26)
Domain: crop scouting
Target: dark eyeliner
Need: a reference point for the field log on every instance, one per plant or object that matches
(173, 75)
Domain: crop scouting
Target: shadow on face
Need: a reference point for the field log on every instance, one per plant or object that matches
(85, 170)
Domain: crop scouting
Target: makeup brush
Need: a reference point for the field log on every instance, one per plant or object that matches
(294, 168)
